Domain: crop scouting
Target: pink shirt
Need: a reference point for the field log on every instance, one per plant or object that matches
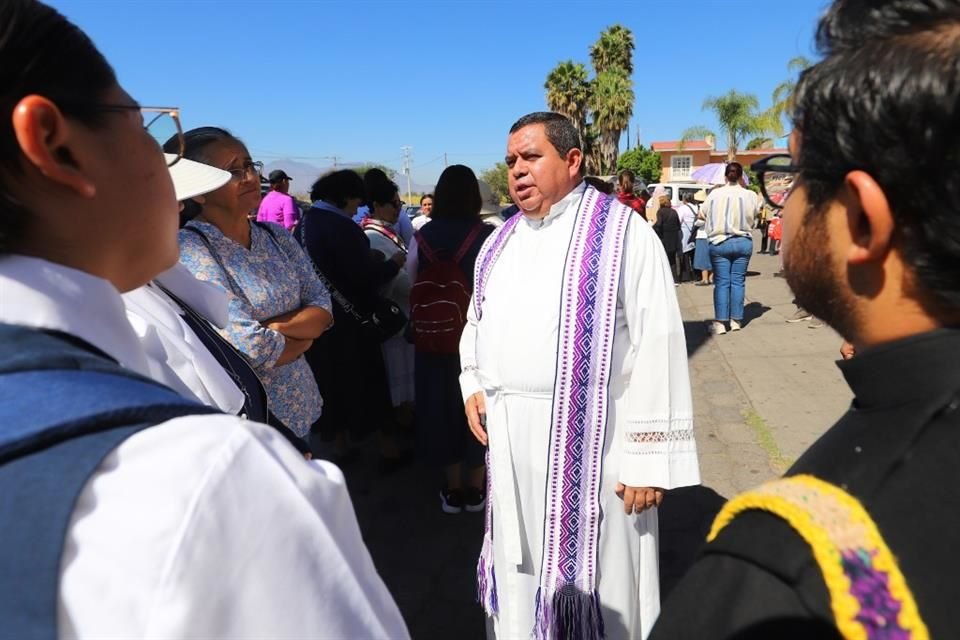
(280, 208)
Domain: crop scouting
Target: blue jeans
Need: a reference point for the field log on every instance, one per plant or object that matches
(730, 259)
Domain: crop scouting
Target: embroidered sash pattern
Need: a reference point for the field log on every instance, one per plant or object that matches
(567, 604)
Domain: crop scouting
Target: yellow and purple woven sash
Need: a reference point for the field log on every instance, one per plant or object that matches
(567, 603)
(868, 593)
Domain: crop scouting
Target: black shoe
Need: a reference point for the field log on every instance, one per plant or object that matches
(451, 500)
(475, 499)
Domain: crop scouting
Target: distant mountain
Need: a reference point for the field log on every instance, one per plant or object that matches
(305, 174)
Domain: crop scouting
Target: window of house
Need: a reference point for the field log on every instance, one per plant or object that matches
(680, 166)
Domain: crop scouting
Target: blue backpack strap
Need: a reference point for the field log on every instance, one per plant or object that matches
(56, 427)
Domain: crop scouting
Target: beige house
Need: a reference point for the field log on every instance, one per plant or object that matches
(679, 160)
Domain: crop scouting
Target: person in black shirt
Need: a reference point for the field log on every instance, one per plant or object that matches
(878, 259)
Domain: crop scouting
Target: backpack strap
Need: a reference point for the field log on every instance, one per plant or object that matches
(465, 247)
(59, 421)
(235, 288)
(424, 248)
(869, 595)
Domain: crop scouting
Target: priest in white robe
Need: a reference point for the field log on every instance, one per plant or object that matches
(527, 348)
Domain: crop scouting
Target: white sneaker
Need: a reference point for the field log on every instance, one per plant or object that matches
(717, 328)
(734, 325)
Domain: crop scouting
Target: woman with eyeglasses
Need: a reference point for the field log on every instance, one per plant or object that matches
(278, 306)
(129, 510)
(385, 205)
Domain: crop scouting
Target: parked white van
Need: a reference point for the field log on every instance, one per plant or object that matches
(677, 190)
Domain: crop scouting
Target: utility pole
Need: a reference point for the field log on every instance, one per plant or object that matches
(406, 166)
(444, 159)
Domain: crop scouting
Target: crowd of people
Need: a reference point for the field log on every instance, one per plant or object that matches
(169, 339)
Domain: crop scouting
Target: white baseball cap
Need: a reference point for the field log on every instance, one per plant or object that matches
(191, 179)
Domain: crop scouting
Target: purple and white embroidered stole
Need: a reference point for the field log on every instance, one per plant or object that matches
(567, 602)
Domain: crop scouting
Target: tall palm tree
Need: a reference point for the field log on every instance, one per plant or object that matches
(612, 108)
(739, 117)
(592, 157)
(568, 92)
(783, 93)
(614, 49)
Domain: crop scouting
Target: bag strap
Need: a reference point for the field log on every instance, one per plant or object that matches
(386, 232)
(234, 287)
(59, 425)
(341, 299)
(465, 247)
(424, 247)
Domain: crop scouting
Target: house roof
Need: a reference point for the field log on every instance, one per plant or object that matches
(689, 145)
(752, 152)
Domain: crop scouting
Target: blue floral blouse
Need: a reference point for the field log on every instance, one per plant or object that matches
(274, 277)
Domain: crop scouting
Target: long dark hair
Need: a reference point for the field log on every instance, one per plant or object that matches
(42, 53)
(457, 194)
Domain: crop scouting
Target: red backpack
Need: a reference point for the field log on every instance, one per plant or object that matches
(440, 298)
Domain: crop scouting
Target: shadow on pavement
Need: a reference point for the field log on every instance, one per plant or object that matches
(696, 334)
(752, 311)
(427, 558)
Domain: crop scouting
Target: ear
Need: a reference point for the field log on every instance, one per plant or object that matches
(574, 160)
(869, 219)
(44, 136)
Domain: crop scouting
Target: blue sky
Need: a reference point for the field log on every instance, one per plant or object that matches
(358, 80)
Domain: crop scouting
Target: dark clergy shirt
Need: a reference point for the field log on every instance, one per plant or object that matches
(897, 449)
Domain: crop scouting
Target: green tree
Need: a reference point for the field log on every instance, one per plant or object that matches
(645, 163)
(783, 93)
(739, 117)
(363, 168)
(568, 92)
(759, 142)
(496, 177)
(613, 50)
(612, 107)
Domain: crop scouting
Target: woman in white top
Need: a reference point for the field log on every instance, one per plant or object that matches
(201, 526)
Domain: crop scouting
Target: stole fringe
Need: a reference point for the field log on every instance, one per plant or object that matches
(486, 580)
(569, 614)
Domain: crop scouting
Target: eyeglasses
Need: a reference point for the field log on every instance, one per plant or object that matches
(777, 176)
(162, 123)
(249, 169)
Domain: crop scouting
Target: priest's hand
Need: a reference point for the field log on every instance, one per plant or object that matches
(476, 410)
(639, 499)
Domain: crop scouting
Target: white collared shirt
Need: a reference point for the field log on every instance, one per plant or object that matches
(203, 526)
(175, 355)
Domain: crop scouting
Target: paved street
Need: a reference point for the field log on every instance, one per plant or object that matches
(761, 396)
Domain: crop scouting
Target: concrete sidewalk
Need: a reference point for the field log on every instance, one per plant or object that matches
(761, 395)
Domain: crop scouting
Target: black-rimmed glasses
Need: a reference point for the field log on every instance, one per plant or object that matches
(162, 123)
(777, 175)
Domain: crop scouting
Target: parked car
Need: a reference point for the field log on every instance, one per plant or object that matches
(677, 190)
(412, 210)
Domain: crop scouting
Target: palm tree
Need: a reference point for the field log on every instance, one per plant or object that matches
(614, 49)
(592, 158)
(568, 92)
(612, 107)
(739, 117)
(783, 94)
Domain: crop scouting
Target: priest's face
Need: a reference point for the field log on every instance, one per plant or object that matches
(537, 174)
